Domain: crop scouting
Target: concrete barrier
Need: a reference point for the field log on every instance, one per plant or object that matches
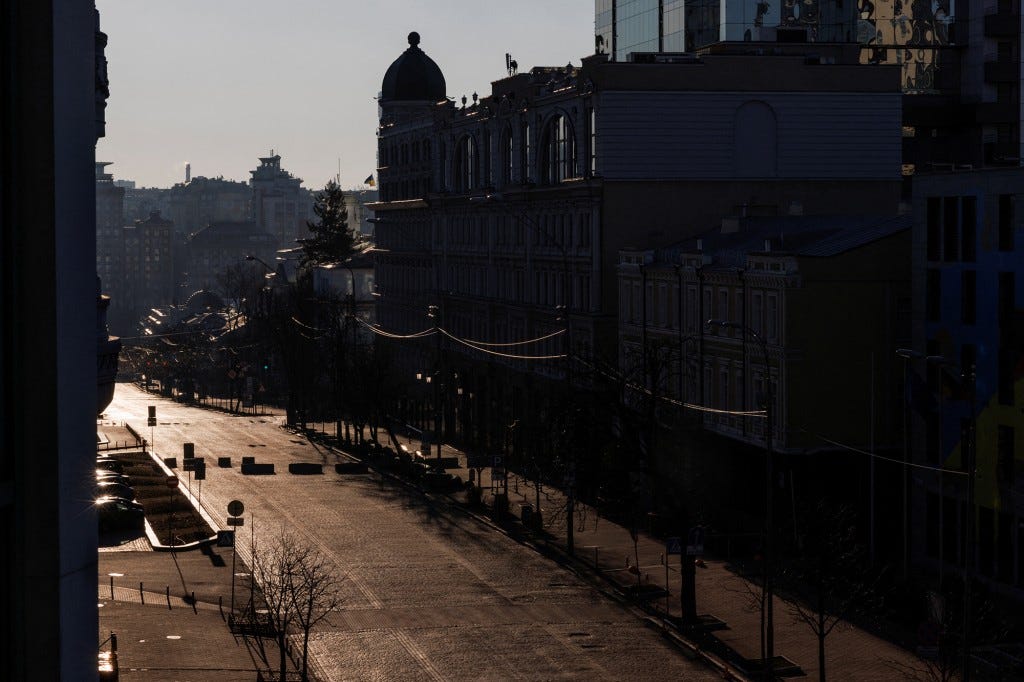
(224, 462)
(350, 468)
(248, 460)
(171, 462)
(305, 468)
(257, 469)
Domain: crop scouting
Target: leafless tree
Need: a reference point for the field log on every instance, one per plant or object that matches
(298, 588)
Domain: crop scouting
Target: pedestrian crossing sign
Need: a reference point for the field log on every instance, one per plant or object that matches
(673, 546)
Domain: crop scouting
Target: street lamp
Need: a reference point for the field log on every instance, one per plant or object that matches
(769, 620)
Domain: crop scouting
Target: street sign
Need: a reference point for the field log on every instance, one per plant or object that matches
(236, 521)
(236, 508)
(151, 421)
(188, 463)
(225, 538)
(673, 546)
(201, 471)
(172, 482)
(695, 541)
(497, 462)
(189, 450)
(152, 411)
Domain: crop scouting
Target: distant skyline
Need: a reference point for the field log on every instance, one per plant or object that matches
(220, 84)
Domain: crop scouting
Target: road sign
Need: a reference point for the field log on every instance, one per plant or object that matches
(189, 463)
(152, 411)
(236, 521)
(201, 471)
(673, 546)
(695, 541)
(151, 421)
(189, 450)
(172, 482)
(225, 538)
(236, 508)
(497, 462)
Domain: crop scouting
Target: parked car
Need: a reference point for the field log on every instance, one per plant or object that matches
(117, 514)
(114, 489)
(108, 476)
(110, 464)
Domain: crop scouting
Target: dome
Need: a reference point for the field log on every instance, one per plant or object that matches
(413, 76)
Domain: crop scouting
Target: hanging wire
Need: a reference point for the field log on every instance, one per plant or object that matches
(500, 355)
(515, 343)
(303, 324)
(392, 335)
(928, 467)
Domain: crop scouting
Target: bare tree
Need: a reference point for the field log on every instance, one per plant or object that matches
(314, 595)
(831, 575)
(298, 587)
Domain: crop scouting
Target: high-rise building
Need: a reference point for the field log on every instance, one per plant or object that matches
(280, 205)
(109, 244)
(149, 265)
(959, 61)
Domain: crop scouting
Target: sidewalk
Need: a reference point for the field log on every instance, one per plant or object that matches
(606, 551)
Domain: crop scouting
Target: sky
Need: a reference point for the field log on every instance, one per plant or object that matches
(219, 83)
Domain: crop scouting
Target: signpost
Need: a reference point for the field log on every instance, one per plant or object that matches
(695, 541)
(151, 421)
(235, 510)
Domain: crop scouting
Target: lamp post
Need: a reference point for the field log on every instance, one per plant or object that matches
(769, 620)
(907, 355)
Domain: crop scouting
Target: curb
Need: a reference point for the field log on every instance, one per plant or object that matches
(155, 542)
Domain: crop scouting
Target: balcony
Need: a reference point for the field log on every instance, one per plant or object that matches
(1001, 72)
(1002, 25)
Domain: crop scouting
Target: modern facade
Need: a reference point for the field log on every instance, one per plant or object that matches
(968, 273)
(959, 61)
(54, 88)
(193, 205)
(509, 212)
(109, 241)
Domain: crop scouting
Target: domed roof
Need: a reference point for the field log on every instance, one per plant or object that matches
(413, 76)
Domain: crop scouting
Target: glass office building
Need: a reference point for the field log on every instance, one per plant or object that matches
(909, 34)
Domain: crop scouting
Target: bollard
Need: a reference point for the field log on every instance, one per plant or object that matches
(168, 597)
(142, 595)
(194, 604)
(220, 605)
(111, 587)
(596, 565)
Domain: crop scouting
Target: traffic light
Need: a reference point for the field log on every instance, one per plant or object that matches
(266, 365)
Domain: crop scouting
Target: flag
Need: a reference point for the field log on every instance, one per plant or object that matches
(370, 181)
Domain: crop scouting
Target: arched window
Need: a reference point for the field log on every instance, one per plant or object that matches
(465, 164)
(507, 156)
(558, 152)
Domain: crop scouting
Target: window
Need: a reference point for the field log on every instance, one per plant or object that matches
(756, 311)
(1005, 456)
(951, 238)
(772, 321)
(968, 233)
(592, 146)
(524, 160)
(506, 156)
(1006, 222)
(558, 154)
(487, 159)
(968, 296)
(465, 164)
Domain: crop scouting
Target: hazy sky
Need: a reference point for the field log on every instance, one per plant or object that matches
(218, 83)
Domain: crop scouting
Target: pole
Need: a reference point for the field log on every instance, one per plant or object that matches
(969, 461)
(871, 467)
(906, 459)
(234, 551)
(769, 504)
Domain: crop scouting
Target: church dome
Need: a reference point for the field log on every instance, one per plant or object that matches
(413, 76)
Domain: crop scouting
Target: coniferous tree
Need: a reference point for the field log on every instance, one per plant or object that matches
(332, 240)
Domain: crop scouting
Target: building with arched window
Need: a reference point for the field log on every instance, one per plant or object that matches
(512, 227)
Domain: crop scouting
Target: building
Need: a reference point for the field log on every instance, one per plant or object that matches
(280, 205)
(149, 264)
(109, 243)
(511, 210)
(968, 274)
(221, 245)
(359, 216)
(351, 283)
(822, 300)
(139, 202)
(193, 205)
(54, 89)
(959, 61)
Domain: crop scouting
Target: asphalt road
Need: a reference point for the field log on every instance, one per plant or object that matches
(428, 592)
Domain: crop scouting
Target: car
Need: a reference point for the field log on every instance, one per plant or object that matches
(109, 464)
(114, 489)
(104, 475)
(117, 514)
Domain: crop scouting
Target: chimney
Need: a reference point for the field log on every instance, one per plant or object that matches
(188, 172)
